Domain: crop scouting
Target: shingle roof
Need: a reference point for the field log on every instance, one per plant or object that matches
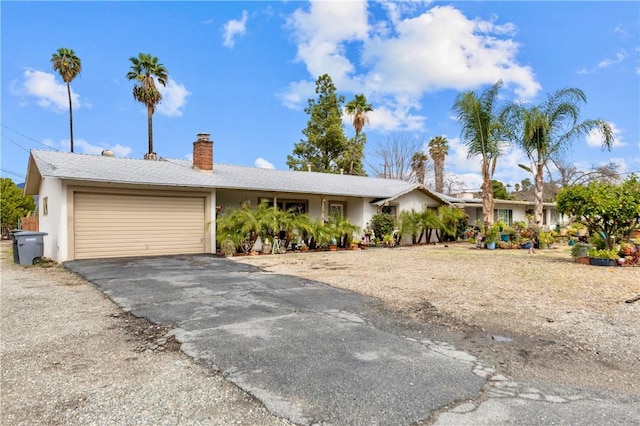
(180, 173)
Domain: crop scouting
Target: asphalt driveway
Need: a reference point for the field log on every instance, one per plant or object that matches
(311, 353)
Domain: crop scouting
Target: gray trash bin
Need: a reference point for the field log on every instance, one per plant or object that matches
(30, 246)
(14, 240)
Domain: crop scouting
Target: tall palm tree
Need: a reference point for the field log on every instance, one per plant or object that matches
(143, 70)
(438, 149)
(357, 109)
(483, 133)
(68, 66)
(418, 166)
(547, 130)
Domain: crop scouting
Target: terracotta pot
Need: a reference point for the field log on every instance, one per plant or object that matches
(583, 260)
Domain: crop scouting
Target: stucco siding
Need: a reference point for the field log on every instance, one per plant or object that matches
(52, 217)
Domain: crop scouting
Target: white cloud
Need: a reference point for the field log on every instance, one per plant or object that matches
(234, 28)
(398, 59)
(50, 94)
(607, 62)
(594, 138)
(174, 98)
(263, 164)
(82, 146)
(297, 93)
(443, 49)
(321, 32)
(620, 56)
(469, 168)
(49, 142)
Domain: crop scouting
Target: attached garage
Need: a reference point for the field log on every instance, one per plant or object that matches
(124, 225)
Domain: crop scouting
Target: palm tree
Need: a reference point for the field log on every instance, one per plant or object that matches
(430, 221)
(418, 166)
(68, 66)
(143, 70)
(483, 132)
(547, 130)
(438, 149)
(357, 109)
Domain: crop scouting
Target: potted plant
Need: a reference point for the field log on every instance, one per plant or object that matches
(603, 257)
(627, 249)
(354, 244)
(580, 252)
(507, 233)
(266, 246)
(492, 236)
(228, 247)
(578, 228)
(545, 239)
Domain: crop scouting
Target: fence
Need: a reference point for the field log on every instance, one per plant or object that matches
(30, 223)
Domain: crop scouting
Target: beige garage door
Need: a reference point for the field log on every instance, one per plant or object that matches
(108, 225)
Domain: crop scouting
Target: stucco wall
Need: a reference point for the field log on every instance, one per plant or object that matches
(54, 220)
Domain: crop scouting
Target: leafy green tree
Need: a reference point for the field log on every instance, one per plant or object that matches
(68, 65)
(606, 208)
(143, 70)
(325, 142)
(14, 204)
(483, 133)
(547, 130)
(438, 149)
(499, 190)
(357, 109)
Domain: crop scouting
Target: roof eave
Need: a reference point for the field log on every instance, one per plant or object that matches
(32, 183)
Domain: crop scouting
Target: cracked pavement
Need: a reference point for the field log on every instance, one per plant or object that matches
(315, 354)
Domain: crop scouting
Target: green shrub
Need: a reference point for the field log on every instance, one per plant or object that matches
(604, 254)
(382, 224)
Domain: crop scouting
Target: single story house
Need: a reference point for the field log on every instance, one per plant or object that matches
(508, 211)
(96, 206)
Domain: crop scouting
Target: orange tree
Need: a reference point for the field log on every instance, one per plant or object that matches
(607, 209)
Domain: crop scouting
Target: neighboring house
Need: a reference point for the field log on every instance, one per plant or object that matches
(508, 211)
(102, 206)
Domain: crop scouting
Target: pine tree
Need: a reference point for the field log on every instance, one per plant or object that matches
(326, 143)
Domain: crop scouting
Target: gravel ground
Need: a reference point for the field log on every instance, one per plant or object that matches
(535, 316)
(70, 356)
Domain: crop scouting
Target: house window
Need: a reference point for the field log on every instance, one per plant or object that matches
(392, 210)
(336, 209)
(45, 206)
(503, 215)
(296, 206)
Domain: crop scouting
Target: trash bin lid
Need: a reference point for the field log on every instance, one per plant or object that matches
(29, 233)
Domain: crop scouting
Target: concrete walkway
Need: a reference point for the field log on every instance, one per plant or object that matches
(314, 354)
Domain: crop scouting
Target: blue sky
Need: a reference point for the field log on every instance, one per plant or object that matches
(243, 71)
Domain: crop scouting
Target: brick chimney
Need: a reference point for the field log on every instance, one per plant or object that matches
(203, 153)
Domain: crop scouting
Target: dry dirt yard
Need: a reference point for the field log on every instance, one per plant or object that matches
(70, 356)
(533, 316)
